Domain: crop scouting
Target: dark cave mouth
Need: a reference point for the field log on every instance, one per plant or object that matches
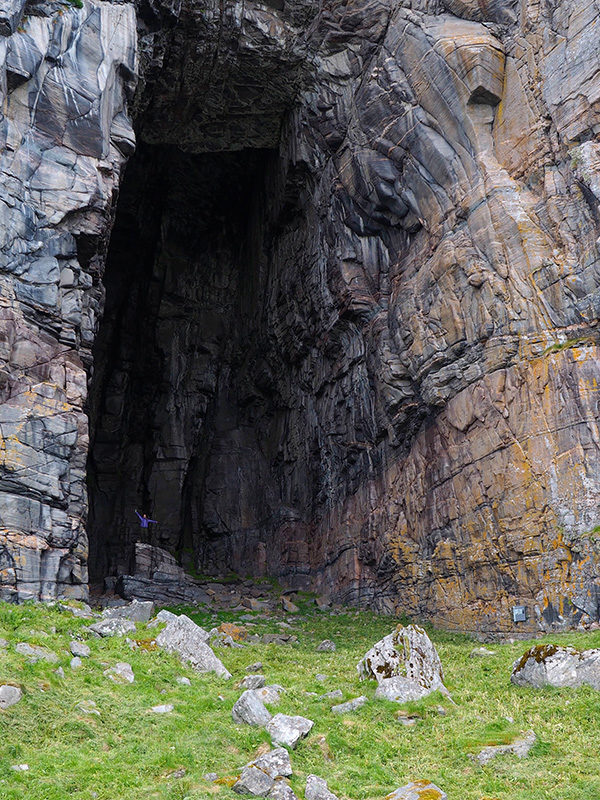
(182, 282)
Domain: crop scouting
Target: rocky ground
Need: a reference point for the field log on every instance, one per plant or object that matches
(259, 693)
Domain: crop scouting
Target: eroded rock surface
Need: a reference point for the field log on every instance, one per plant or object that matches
(352, 293)
(553, 665)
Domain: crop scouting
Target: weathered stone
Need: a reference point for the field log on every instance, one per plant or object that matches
(281, 790)
(350, 705)
(553, 665)
(113, 626)
(253, 781)
(162, 709)
(401, 690)
(75, 663)
(417, 790)
(249, 709)
(35, 653)
(336, 694)
(287, 730)
(137, 611)
(317, 789)
(276, 763)
(269, 694)
(188, 640)
(120, 673)
(253, 682)
(79, 649)
(520, 748)
(326, 646)
(9, 695)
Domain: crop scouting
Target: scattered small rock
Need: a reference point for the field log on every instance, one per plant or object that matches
(253, 781)
(9, 695)
(184, 637)
(326, 646)
(481, 652)
(112, 627)
(164, 709)
(120, 673)
(317, 789)
(211, 777)
(275, 762)
(350, 705)
(322, 603)
(177, 773)
(287, 730)
(250, 710)
(137, 611)
(20, 767)
(282, 791)
(183, 681)
(35, 653)
(252, 668)
(520, 748)
(418, 790)
(60, 672)
(253, 682)
(407, 719)
(76, 662)
(79, 649)
(288, 606)
(320, 677)
(270, 695)
(3, 644)
(87, 707)
(336, 694)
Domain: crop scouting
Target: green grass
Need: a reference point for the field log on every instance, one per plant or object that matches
(567, 344)
(127, 753)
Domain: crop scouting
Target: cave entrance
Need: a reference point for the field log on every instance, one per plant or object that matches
(182, 278)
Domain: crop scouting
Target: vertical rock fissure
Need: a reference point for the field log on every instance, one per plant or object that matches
(178, 269)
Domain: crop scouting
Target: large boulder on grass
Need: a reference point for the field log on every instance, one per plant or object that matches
(182, 636)
(552, 665)
(405, 664)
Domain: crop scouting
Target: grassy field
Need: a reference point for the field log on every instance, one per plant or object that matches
(127, 753)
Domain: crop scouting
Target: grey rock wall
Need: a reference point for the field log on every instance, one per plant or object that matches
(352, 299)
(65, 77)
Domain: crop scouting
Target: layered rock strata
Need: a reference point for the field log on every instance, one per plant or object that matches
(352, 299)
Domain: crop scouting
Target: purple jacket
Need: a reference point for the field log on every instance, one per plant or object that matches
(144, 521)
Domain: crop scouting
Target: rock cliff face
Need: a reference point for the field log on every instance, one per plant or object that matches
(343, 330)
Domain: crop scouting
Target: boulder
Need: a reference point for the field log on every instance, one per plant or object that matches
(350, 705)
(287, 730)
(520, 748)
(400, 690)
(276, 763)
(9, 695)
(120, 673)
(418, 790)
(553, 665)
(112, 627)
(79, 649)
(253, 682)
(253, 781)
(188, 640)
(35, 653)
(326, 646)
(409, 658)
(281, 790)
(137, 611)
(317, 789)
(269, 694)
(249, 710)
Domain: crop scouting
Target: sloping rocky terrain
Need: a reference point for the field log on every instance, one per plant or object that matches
(336, 320)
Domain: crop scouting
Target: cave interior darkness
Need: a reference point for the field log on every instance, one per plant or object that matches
(173, 403)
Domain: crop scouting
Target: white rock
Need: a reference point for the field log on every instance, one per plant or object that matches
(287, 730)
(120, 673)
(164, 709)
(250, 710)
(188, 640)
(9, 695)
(317, 789)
